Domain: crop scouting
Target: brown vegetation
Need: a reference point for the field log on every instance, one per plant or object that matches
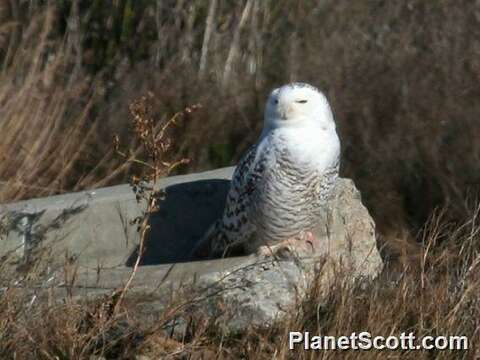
(403, 79)
(439, 299)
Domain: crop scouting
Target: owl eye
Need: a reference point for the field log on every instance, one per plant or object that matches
(301, 101)
(275, 101)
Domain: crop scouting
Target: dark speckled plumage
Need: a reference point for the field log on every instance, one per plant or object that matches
(283, 181)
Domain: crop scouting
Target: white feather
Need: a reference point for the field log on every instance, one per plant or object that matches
(285, 176)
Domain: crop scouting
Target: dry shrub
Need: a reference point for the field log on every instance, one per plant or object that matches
(403, 80)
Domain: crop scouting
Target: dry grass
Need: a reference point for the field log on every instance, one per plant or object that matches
(403, 80)
(46, 106)
(438, 299)
(403, 89)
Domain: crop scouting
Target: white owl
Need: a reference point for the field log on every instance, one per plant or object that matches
(281, 184)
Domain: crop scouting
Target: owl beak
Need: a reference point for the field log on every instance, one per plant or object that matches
(285, 112)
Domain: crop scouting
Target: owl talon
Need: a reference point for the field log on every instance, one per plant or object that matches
(303, 244)
(279, 250)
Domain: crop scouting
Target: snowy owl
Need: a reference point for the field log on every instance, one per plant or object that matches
(281, 184)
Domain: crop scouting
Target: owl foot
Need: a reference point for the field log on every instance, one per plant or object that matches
(303, 244)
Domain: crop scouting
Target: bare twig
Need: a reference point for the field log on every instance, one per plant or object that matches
(155, 143)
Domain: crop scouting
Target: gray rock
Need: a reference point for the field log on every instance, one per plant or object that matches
(258, 292)
(94, 227)
(255, 294)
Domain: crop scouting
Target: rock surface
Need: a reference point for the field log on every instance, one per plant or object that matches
(94, 227)
(259, 291)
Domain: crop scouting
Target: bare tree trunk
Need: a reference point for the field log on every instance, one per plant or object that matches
(158, 23)
(235, 43)
(256, 44)
(75, 36)
(188, 45)
(206, 37)
(252, 40)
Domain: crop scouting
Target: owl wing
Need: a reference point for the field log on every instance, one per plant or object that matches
(235, 227)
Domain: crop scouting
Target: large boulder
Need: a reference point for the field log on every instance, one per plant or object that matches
(259, 291)
(94, 228)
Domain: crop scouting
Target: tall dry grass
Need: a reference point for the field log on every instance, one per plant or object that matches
(403, 80)
(46, 105)
(440, 299)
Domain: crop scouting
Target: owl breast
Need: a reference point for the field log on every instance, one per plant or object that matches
(292, 193)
